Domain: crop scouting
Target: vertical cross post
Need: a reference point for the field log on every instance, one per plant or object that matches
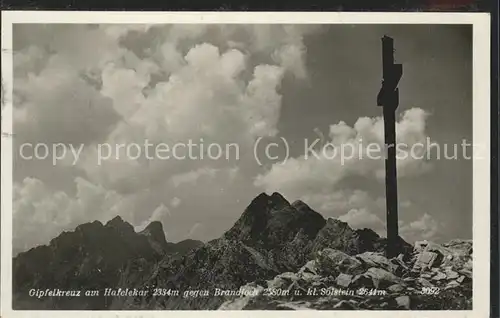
(388, 98)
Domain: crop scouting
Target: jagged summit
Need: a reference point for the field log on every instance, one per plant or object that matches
(274, 201)
(277, 198)
(119, 224)
(154, 227)
(85, 227)
(156, 236)
(116, 220)
(155, 230)
(94, 255)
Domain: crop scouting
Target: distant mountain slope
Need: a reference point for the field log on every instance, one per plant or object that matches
(93, 256)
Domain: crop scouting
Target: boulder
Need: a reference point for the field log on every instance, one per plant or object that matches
(299, 305)
(372, 259)
(235, 304)
(399, 267)
(409, 279)
(427, 260)
(282, 281)
(439, 276)
(458, 244)
(454, 253)
(468, 265)
(253, 289)
(414, 272)
(384, 305)
(343, 304)
(403, 302)
(420, 246)
(450, 274)
(466, 269)
(298, 286)
(309, 267)
(288, 276)
(382, 278)
(424, 282)
(344, 280)
(452, 284)
(241, 302)
(428, 246)
(465, 272)
(396, 288)
(308, 277)
(332, 262)
(426, 275)
(361, 281)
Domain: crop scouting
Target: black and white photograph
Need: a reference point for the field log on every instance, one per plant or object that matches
(219, 165)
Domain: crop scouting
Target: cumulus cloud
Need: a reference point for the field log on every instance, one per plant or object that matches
(195, 230)
(318, 174)
(192, 177)
(291, 50)
(362, 218)
(118, 31)
(56, 78)
(204, 101)
(41, 213)
(124, 84)
(175, 202)
(356, 207)
(425, 227)
(158, 214)
(59, 106)
(365, 211)
(291, 58)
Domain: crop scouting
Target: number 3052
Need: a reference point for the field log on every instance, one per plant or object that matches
(430, 290)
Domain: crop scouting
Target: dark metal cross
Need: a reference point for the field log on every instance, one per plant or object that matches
(388, 97)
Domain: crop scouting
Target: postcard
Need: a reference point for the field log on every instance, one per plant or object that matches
(221, 162)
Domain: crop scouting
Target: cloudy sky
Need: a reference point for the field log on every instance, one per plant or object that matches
(85, 85)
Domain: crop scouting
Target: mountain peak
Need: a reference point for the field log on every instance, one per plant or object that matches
(155, 226)
(116, 220)
(278, 198)
(119, 224)
(261, 196)
(155, 232)
(271, 220)
(273, 201)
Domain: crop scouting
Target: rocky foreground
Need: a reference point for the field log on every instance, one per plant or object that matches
(278, 255)
(433, 277)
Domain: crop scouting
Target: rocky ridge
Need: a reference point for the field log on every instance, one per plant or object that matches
(92, 257)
